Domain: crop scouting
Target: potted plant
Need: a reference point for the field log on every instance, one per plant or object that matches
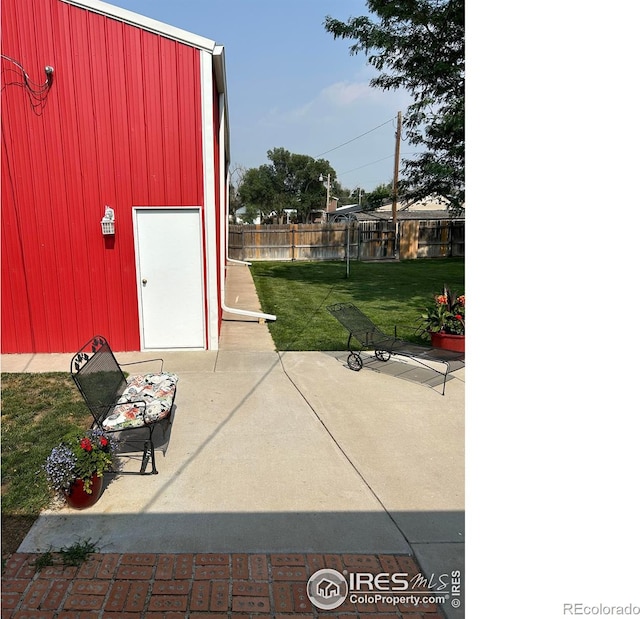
(76, 467)
(444, 321)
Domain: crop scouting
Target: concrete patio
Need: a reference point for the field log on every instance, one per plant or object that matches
(283, 452)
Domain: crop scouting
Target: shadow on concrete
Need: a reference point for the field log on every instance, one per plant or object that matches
(131, 446)
(336, 535)
(269, 532)
(406, 369)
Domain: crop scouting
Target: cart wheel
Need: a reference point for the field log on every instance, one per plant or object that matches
(354, 362)
(383, 355)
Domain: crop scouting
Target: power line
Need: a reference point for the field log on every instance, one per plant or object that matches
(364, 166)
(372, 162)
(354, 139)
(391, 120)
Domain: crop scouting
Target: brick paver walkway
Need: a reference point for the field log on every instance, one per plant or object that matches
(190, 586)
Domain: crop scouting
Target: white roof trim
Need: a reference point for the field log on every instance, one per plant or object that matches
(220, 73)
(220, 68)
(146, 23)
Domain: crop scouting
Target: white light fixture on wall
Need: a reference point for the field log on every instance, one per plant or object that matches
(108, 222)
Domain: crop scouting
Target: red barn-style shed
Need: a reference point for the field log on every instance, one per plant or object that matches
(106, 111)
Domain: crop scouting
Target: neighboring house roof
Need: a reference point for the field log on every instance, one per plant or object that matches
(428, 204)
(385, 215)
(420, 210)
(344, 210)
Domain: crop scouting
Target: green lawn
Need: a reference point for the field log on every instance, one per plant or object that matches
(37, 411)
(390, 293)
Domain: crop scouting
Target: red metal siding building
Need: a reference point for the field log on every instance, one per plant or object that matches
(134, 118)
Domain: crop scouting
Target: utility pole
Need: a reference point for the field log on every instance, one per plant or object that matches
(321, 179)
(396, 167)
(328, 189)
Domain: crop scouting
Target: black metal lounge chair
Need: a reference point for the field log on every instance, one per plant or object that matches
(367, 336)
(118, 404)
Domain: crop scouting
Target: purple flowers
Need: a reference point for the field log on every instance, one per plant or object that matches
(80, 457)
(60, 468)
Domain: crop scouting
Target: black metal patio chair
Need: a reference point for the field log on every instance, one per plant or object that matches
(364, 335)
(121, 404)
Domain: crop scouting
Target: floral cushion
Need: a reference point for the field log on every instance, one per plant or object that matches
(155, 390)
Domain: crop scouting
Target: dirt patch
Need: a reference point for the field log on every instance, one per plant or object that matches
(14, 530)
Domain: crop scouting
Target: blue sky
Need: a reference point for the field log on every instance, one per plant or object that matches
(292, 85)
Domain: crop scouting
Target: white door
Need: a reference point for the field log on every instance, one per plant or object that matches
(170, 277)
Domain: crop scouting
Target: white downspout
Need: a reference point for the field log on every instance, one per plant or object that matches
(224, 199)
(241, 312)
(225, 307)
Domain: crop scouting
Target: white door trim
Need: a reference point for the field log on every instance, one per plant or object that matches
(135, 211)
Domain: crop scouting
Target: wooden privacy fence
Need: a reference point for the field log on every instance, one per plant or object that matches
(367, 240)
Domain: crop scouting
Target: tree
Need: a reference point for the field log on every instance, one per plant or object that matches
(343, 194)
(290, 181)
(419, 45)
(257, 192)
(374, 199)
(236, 177)
(357, 195)
(250, 214)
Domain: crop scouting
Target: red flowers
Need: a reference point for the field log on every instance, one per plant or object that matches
(447, 316)
(87, 445)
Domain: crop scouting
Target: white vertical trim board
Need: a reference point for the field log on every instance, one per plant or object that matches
(208, 178)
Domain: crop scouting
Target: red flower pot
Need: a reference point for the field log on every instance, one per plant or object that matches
(79, 499)
(447, 341)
